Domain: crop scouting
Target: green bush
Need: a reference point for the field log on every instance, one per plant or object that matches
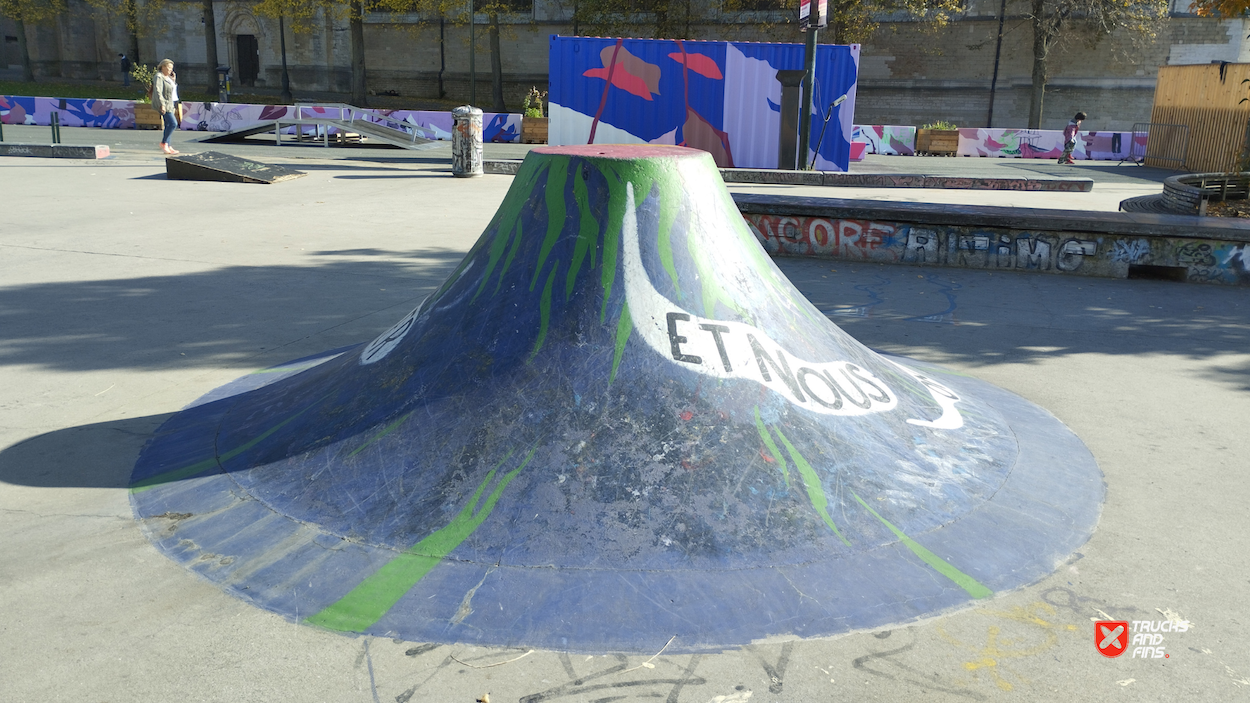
(533, 106)
(144, 75)
(940, 124)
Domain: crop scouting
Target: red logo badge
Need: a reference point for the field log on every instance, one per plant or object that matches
(1111, 637)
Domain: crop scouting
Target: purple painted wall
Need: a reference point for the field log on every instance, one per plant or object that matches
(218, 117)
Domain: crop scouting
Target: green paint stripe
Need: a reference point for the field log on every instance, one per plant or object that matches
(373, 597)
(815, 491)
(943, 567)
(544, 311)
(587, 235)
(385, 431)
(611, 236)
(624, 326)
(202, 466)
(497, 246)
(507, 263)
(509, 215)
(767, 438)
(669, 199)
(558, 174)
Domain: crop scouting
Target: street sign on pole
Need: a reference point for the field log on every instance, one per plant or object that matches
(809, 67)
(805, 14)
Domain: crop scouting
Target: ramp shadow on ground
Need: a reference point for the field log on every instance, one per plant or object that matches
(983, 318)
(220, 317)
(99, 455)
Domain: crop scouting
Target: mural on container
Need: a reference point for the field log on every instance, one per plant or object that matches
(721, 97)
(894, 140)
(994, 248)
(1047, 144)
(219, 117)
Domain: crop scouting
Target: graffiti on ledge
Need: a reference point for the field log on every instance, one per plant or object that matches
(1110, 255)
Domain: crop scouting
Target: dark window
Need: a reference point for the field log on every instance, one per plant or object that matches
(249, 58)
(759, 5)
(513, 5)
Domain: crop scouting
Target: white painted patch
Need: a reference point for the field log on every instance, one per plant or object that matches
(723, 349)
(391, 338)
(735, 697)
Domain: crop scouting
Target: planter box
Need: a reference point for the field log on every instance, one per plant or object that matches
(943, 142)
(146, 117)
(534, 130)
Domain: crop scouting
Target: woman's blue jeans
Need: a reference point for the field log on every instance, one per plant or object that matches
(170, 125)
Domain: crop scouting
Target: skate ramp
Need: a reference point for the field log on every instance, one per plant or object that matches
(616, 422)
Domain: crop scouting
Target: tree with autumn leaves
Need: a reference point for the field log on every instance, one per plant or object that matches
(1224, 9)
(300, 15)
(1055, 22)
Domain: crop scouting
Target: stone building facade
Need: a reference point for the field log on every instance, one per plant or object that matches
(908, 74)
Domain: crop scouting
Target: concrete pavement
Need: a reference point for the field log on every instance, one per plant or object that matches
(124, 296)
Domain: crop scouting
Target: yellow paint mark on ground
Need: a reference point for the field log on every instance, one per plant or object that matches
(1040, 634)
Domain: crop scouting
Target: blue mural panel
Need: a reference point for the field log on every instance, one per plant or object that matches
(721, 97)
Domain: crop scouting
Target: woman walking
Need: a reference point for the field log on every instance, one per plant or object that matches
(163, 92)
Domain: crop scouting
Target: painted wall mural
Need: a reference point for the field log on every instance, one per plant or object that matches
(220, 117)
(721, 97)
(1207, 261)
(890, 139)
(1047, 144)
(73, 112)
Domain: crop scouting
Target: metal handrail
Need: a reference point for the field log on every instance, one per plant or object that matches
(379, 119)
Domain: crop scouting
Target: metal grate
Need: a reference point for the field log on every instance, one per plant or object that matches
(1160, 144)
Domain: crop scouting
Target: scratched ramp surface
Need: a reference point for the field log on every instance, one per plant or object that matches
(615, 422)
(215, 166)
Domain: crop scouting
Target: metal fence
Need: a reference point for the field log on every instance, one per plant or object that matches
(1159, 144)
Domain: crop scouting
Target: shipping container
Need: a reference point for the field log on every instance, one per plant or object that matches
(722, 97)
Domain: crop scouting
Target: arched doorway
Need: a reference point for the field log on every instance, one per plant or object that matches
(244, 34)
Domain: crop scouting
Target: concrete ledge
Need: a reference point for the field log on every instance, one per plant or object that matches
(903, 180)
(55, 151)
(866, 180)
(1108, 244)
(501, 167)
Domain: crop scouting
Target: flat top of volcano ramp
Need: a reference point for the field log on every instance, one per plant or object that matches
(615, 422)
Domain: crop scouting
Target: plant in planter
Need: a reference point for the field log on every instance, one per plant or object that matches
(533, 122)
(145, 118)
(143, 75)
(940, 137)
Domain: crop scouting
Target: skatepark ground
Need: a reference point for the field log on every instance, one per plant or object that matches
(125, 296)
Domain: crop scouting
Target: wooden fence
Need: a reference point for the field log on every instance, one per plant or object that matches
(1207, 98)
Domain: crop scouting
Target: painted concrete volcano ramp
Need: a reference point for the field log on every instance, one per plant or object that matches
(616, 422)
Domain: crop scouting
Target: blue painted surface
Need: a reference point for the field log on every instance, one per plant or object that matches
(651, 506)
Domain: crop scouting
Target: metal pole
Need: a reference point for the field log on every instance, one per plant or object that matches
(998, 50)
(56, 128)
(286, 76)
(472, 57)
(809, 69)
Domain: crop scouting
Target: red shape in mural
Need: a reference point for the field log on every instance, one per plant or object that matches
(699, 63)
(622, 79)
(628, 72)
